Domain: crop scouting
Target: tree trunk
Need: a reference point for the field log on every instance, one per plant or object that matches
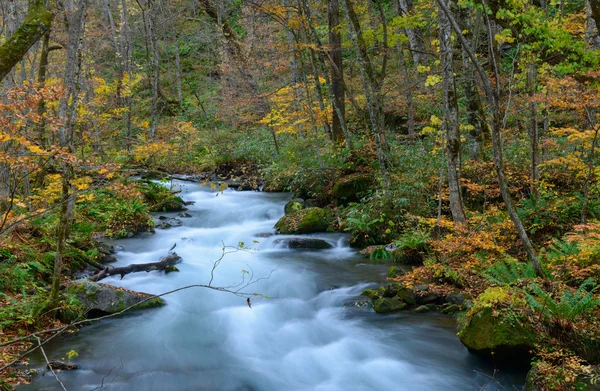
(36, 23)
(451, 119)
(475, 111)
(533, 131)
(337, 70)
(371, 102)
(163, 264)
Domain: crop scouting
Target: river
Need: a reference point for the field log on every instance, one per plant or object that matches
(311, 330)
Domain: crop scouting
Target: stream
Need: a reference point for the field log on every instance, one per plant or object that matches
(312, 330)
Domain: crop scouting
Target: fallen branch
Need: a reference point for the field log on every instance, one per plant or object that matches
(169, 260)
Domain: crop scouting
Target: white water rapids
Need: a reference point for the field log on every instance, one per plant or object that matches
(312, 332)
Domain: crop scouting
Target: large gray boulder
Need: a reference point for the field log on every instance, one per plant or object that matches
(100, 299)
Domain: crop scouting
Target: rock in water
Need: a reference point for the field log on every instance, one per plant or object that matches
(304, 221)
(294, 205)
(486, 333)
(303, 243)
(388, 304)
(62, 365)
(101, 299)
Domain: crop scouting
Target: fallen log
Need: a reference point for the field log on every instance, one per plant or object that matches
(162, 265)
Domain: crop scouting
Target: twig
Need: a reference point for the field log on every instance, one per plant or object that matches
(49, 365)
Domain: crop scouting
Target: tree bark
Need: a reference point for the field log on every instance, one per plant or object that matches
(337, 71)
(533, 131)
(366, 68)
(163, 264)
(36, 23)
(451, 118)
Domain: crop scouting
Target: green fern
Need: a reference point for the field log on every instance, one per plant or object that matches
(570, 305)
(509, 272)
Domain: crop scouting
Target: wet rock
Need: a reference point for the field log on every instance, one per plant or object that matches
(372, 294)
(304, 221)
(294, 205)
(428, 298)
(450, 309)
(101, 299)
(303, 243)
(311, 203)
(264, 235)
(422, 309)
(169, 223)
(407, 295)
(422, 287)
(487, 332)
(455, 298)
(184, 214)
(62, 365)
(388, 304)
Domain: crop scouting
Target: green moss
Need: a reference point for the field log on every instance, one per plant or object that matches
(371, 294)
(304, 221)
(292, 207)
(159, 198)
(486, 332)
(349, 188)
(388, 304)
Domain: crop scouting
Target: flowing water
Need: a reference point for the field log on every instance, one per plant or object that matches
(312, 331)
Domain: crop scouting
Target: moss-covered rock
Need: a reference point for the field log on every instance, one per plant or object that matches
(101, 299)
(422, 309)
(293, 205)
(372, 294)
(349, 188)
(304, 221)
(385, 305)
(501, 333)
(159, 198)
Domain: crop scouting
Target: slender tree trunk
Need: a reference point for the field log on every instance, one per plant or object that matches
(371, 103)
(416, 46)
(475, 112)
(533, 131)
(590, 173)
(337, 70)
(451, 119)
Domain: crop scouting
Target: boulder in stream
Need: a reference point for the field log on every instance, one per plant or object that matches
(294, 205)
(168, 222)
(303, 243)
(304, 221)
(101, 299)
(491, 329)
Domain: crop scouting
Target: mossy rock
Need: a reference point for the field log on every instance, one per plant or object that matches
(304, 221)
(102, 299)
(159, 198)
(293, 206)
(348, 188)
(372, 294)
(503, 335)
(386, 305)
